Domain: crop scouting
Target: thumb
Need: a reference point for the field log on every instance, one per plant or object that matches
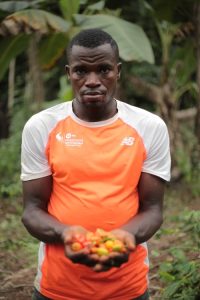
(130, 242)
(67, 236)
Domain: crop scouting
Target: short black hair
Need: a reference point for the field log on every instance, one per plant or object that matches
(91, 38)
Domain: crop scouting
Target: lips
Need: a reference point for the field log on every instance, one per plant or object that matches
(92, 93)
(93, 96)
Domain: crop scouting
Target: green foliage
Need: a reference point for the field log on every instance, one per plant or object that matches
(10, 47)
(43, 21)
(12, 6)
(11, 189)
(94, 15)
(51, 49)
(98, 6)
(10, 165)
(182, 278)
(65, 93)
(10, 149)
(188, 161)
(121, 31)
(190, 224)
(148, 72)
(10, 152)
(183, 63)
(180, 274)
(14, 237)
(68, 8)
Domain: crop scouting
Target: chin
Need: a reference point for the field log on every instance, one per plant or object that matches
(94, 103)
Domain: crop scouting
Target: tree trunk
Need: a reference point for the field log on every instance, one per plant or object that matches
(162, 96)
(37, 93)
(197, 119)
(4, 125)
(11, 87)
(6, 112)
(195, 159)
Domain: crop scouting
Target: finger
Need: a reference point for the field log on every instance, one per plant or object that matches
(68, 239)
(104, 258)
(77, 257)
(91, 260)
(83, 257)
(109, 264)
(121, 259)
(113, 255)
(118, 259)
(97, 268)
(130, 243)
(100, 268)
(67, 236)
(94, 257)
(71, 252)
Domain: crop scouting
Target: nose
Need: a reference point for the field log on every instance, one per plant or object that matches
(92, 80)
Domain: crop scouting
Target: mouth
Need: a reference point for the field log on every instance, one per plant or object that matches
(92, 93)
(93, 96)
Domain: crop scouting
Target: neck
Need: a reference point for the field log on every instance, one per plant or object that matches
(94, 113)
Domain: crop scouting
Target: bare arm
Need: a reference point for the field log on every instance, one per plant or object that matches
(43, 226)
(150, 216)
(143, 226)
(46, 228)
(36, 219)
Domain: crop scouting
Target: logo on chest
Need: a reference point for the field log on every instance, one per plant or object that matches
(69, 139)
(128, 141)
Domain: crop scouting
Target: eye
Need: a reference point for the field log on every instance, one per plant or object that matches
(80, 71)
(105, 69)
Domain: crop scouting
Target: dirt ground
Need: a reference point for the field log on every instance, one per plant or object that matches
(17, 277)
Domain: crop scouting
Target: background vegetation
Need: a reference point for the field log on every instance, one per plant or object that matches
(159, 45)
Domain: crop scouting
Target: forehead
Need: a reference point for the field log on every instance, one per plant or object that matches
(100, 54)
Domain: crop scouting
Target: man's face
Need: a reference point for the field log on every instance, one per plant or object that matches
(93, 74)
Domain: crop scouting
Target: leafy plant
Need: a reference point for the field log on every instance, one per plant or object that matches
(10, 165)
(187, 160)
(190, 223)
(180, 274)
(10, 152)
(65, 93)
(183, 279)
(15, 238)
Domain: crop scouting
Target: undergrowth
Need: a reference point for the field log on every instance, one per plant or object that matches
(180, 272)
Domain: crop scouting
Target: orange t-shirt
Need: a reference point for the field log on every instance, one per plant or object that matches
(96, 167)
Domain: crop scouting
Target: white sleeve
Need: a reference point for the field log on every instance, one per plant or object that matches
(34, 163)
(158, 160)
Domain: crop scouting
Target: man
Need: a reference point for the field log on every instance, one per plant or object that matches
(93, 163)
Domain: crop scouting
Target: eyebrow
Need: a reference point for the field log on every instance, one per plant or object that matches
(82, 65)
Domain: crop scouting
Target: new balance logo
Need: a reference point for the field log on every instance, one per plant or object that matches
(128, 141)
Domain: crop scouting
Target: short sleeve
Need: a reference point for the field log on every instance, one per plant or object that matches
(34, 163)
(158, 159)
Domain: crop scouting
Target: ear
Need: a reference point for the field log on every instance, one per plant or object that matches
(67, 70)
(119, 66)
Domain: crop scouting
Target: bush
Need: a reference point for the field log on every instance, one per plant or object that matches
(10, 152)
(181, 274)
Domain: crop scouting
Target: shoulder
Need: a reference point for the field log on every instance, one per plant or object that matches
(140, 119)
(48, 118)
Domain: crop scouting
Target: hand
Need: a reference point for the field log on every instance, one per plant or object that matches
(82, 256)
(127, 238)
(116, 259)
